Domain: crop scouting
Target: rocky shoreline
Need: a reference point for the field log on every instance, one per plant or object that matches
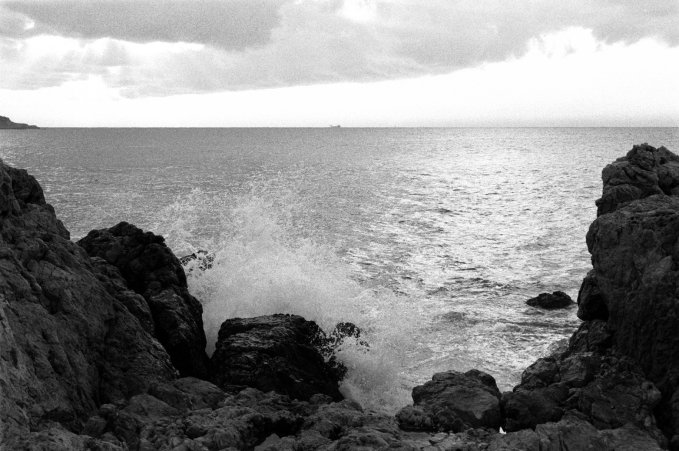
(102, 347)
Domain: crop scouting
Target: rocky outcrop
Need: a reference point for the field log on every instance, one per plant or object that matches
(277, 352)
(455, 402)
(644, 171)
(590, 380)
(67, 342)
(558, 299)
(150, 269)
(6, 123)
(635, 252)
(621, 368)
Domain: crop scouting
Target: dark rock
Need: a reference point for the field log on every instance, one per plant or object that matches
(200, 259)
(188, 393)
(621, 367)
(454, 402)
(542, 373)
(591, 304)
(558, 299)
(276, 353)
(571, 432)
(574, 433)
(527, 408)
(591, 336)
(6, 123)
(634, 259)
(328, 345)
(643, 172)
(152, 270)
(67, 344)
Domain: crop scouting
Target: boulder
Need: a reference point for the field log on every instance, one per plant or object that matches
(154, 272)
(277, 352)
(453, 401)
(556, 300)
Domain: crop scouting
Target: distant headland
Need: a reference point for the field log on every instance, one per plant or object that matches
(6, 122)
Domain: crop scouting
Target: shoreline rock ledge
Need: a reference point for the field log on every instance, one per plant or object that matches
(102, 348)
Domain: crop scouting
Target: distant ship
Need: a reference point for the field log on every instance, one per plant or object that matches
(335, 126)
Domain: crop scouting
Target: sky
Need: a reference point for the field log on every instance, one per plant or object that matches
(233, 63)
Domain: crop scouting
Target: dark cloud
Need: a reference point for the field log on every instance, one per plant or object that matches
(228, 24)
(134, 45)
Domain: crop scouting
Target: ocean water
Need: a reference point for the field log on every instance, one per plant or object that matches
(430, 240)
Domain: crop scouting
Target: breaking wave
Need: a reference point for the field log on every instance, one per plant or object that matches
(264, 264)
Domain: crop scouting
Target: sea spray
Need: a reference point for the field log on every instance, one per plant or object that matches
(264, 263)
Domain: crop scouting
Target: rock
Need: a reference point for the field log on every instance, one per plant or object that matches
(188, 393)
(558, 299)
(634, 252)
(453, 401)
(344, 333)
(6, 123)
(643, 172)
(621, 368)
(276, 353)
(67, 343)
(152, 270)
(524, 408)
(591, 336)
(200, 259)
(591, 304)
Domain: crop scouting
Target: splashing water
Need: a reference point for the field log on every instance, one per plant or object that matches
(260, 268)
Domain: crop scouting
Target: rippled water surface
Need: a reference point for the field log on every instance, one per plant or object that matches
(430, 239)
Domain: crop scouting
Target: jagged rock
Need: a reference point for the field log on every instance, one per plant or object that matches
(621, 367)
(153, 271)
(67, 343)
(329, 344)
(558, 299)
(274, 352)
(201, 259)
(591, 304)
(591, 336)
(453, 401)
(607, 390)
(643, 172)
(527, 408)
(634, 254)
(574, 433)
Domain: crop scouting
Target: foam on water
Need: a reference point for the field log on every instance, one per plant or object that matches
(260, 267)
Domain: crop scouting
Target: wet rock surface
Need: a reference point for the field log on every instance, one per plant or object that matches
(276, 352)
(455, 402)
(151, 269)
(555, 300)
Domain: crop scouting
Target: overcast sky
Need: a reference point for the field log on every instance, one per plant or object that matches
(354, 62)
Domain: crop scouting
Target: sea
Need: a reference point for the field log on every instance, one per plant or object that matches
(429, 239)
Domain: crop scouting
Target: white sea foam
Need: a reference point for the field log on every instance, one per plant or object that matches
(263, 265)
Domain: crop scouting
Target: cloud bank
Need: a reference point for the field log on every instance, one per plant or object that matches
(157, 48)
